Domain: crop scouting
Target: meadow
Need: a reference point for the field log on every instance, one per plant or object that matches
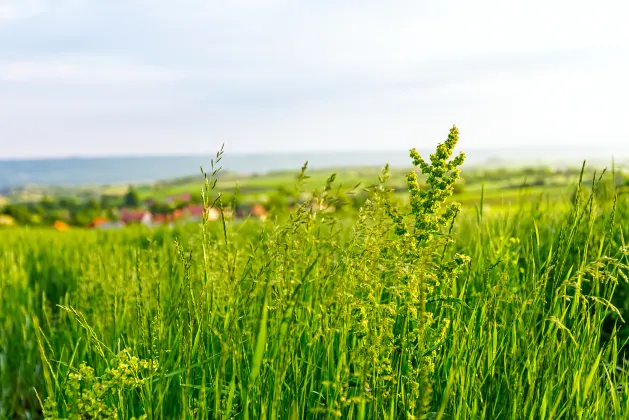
(411, 308)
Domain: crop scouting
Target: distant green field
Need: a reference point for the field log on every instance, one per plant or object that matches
(348, 177)
(502, 188)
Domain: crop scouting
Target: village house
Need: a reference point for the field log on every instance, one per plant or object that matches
(251, 210)
(98, 222)
(136, 216)
(189, 213)
(162, 219)
(195, 213)
(259, 212)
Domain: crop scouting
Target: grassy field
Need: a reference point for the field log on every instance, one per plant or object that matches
(408, 309)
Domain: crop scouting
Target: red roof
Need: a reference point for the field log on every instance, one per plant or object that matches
(127, 215)
(161, 218)
(194, 210)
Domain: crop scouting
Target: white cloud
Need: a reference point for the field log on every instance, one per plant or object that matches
(83, 69)
(12, 10)
(19, 9)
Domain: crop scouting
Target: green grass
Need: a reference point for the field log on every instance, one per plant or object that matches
(316, 315)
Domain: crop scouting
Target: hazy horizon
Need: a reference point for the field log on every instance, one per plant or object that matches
(557, 152)
(148, 169)
(83, 77)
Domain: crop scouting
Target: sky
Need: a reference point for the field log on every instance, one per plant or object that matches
(157, 77)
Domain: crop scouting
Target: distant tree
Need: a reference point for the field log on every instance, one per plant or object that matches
(529, 170)
(57, 214)
(160, 207)
(83, 217)
(278, 202)
(131, 198)
(112, 214)
(68, 202)
(49, 203)
(92, 205)
(196, 198)
(37, 209)
(178, 204)
(20, 213)
(108, 202)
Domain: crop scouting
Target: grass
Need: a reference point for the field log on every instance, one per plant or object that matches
(396, 312)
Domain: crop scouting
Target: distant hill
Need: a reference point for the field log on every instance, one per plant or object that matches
(123, 170)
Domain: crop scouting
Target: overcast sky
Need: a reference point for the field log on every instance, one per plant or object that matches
(130, 77)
